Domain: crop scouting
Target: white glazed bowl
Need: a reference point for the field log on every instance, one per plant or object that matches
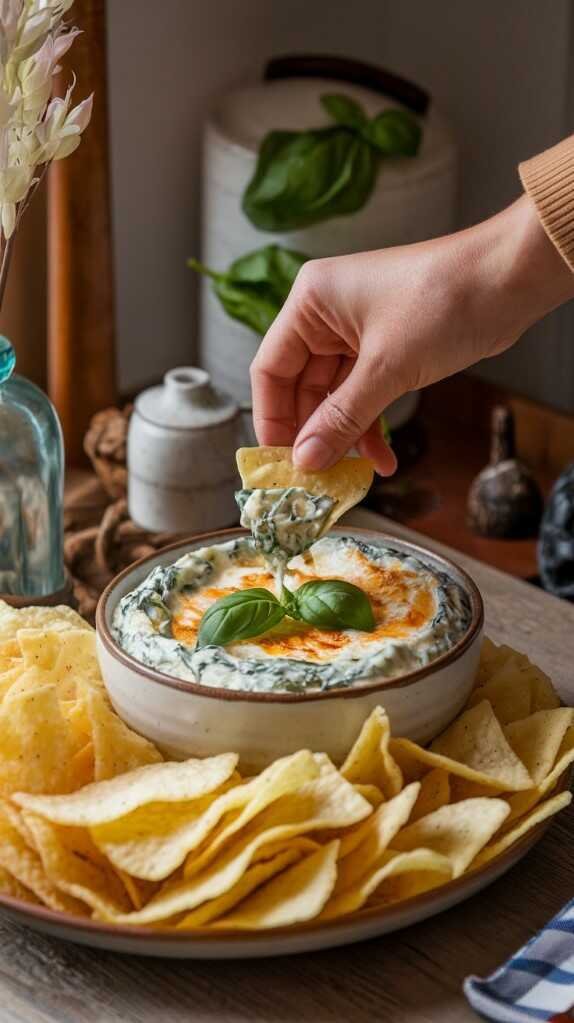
(186, 719)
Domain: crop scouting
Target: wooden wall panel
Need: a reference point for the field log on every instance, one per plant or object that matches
(81, 355)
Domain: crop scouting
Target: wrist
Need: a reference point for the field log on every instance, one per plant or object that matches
(523, 272)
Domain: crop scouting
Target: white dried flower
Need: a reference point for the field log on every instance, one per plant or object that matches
(34, 129)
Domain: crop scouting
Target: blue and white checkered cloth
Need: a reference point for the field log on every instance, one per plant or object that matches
(536, 983)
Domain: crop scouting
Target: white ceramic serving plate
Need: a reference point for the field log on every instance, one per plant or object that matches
(309, 937)
(186, 719)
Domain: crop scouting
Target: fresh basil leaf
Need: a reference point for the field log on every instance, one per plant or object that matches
(201, 268)
(256, 285)
(238, 616)
(289, 602)
(344, 110)
(304, 177)
(255, 305)
(334, 604)
(394, 133)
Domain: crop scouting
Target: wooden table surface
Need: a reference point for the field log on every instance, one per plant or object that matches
(414, 976)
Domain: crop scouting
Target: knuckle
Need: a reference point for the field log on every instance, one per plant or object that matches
(340, 420)
(309, 281)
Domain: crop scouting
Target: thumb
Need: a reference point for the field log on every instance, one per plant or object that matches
(341, 419)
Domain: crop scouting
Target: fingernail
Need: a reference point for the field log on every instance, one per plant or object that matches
(313, 453)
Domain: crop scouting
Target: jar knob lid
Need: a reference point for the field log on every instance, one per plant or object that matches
(7, 359)
(189, 384)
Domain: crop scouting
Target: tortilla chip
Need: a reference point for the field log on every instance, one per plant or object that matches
(327, 802)
(57, 618)
(65, 657)
(106, 801)
(253, 878)
(152, 841)
(473, 747)
(537, 739)
(374, 835)
(516, 689)
(347, 482)
(73, 873)
(521, 802)
(536, 816)
(117, 749)
(507, 693)
(10, 678)
(10, 886)
(371, 793)
(420, 862)
(14, 815)
(434, 793)
(369, 762)
(82, 765)
(35, 746)
(297, 894)
(458, 831)
(24, 864)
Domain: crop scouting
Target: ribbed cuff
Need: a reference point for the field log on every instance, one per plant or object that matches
(549, 180)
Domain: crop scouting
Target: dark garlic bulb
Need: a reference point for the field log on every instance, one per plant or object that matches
(556, 546)
(504, 500)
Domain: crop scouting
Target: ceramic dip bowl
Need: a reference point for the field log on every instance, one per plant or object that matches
(187, 719)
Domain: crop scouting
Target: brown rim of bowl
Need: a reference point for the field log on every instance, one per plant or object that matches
(504, 860)
(351, 693)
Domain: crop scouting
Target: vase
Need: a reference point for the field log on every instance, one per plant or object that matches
(182, 440)
(31, 491)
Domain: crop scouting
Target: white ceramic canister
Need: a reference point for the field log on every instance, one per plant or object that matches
(413, 199)
(182, 440)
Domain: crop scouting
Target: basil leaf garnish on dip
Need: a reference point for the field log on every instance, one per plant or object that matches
(324, 603)
(240, 615)
(334, 604)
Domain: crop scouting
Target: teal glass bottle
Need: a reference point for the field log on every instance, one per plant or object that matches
(31, 486)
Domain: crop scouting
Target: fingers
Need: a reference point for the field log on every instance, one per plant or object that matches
(315, 382)
(343, 418)
(374, 447)
(274, 372)
(298, 332)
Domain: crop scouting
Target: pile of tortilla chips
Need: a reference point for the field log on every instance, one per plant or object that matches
(93, 822)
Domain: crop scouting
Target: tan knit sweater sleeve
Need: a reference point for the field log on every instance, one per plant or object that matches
(549, 180)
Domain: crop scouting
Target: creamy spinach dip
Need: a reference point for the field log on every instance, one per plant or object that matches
(419, 612)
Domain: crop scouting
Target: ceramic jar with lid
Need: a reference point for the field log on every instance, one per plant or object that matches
(413, 199)
(182, 440)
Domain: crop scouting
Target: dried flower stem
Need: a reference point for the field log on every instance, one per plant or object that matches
(5, 266)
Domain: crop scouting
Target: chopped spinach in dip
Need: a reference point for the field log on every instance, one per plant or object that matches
(284, 520)
(419, 612)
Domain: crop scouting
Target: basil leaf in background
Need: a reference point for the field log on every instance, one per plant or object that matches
(254, 306)
(256, 285)
(334, 604)
(344, 110)
(304, 177)
(238, 616)
(394, 133)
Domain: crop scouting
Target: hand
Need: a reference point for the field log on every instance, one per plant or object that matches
(359, 331)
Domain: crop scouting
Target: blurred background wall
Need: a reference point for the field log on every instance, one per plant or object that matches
(499, 71)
